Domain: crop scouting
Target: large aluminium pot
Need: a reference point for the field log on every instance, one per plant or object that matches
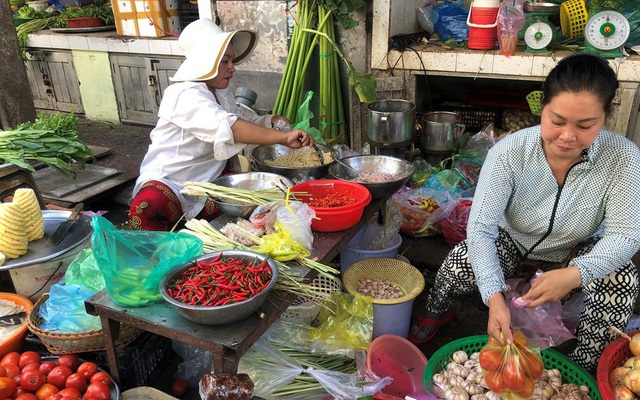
(390, 122)
(440, 131)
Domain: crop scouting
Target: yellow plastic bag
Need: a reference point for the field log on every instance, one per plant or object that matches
(281, 246)
(345, 321)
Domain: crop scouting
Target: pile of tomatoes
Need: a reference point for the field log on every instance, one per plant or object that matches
(27, 376)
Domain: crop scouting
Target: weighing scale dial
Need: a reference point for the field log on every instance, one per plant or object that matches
(607, 30)
(538, 35)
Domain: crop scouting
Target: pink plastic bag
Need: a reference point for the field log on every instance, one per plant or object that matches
(541, 325)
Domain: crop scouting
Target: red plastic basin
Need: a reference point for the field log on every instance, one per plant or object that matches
(398, 358)
(332, 219)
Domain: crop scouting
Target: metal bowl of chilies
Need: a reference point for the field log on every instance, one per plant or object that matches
(221, 314)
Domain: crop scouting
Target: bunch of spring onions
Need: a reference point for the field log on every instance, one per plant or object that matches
(288, 281)
(233, 195)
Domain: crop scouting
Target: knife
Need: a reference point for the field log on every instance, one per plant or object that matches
(63, 228)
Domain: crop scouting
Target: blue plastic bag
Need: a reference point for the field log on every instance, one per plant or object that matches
(450, 21)
(134, 262)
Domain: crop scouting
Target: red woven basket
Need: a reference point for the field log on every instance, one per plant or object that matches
(613, 356)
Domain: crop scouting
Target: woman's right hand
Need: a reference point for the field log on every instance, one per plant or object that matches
(299, 138)
(499, 325)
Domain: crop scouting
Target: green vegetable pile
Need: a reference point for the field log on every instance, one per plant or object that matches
(51, 139)
(102, 11)
(28, 12)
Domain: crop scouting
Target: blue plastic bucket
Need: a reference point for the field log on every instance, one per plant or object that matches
(352, 251)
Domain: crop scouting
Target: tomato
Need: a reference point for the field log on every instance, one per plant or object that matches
(526, 391)
(180, 387)
(10, 358)
(77, 381)
(490, 359)
(494, 381)
(32, 365)
(31, 380)
(532, 364)
(12, 370)
(519, 338)
(70, 360)
(28, 357)
(101, 377)
(3, 371)
(87, 369)
(46, 391)
(55, 396)
(27, 396)
(513, 375)
(7, 386)
(17, 379)
(46, 367)
(58, 376)
(98, 391)
(19, 390)
(71, 392)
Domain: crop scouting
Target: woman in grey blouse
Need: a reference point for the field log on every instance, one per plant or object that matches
(565, 196)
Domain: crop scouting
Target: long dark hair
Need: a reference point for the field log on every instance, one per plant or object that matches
(582, 72)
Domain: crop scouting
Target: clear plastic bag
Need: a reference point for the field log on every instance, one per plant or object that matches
(296, 219)
(134, 262)
(542, 325)
(378, 237)
(510, 23)
(422, 208)
(454, 227)
(84, 271)
(196, 362)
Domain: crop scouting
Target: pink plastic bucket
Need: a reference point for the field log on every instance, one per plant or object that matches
(482, 23)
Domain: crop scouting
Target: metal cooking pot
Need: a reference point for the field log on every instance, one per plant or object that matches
(440, 131)
(390, 121)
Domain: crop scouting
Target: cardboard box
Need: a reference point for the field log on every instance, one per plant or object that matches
(153, 18)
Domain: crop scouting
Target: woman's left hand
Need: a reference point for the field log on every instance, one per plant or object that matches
(552, 286)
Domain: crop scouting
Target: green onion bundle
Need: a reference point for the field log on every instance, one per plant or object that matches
(233, 195)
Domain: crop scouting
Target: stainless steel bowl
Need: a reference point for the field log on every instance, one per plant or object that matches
(369, 164)
(222, 314)
(273, 152)
(248, 181)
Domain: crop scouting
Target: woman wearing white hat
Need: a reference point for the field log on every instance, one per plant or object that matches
(199, 128)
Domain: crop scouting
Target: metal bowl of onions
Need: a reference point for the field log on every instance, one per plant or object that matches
(382, 175)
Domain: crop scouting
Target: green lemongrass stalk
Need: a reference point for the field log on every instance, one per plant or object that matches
(255, 197)
(322, 269)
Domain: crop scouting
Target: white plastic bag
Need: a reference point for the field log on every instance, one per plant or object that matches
(298, 222)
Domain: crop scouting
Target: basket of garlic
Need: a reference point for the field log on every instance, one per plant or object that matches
(454, 372)
(619, 368)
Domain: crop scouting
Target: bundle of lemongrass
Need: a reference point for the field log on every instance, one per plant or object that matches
(289, 280)
(233, 195)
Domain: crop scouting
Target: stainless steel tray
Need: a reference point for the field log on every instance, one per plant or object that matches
(38, 252)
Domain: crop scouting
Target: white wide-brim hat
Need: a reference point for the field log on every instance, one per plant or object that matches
(204, 43)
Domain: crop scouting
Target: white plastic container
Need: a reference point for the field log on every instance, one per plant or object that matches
(38, 5)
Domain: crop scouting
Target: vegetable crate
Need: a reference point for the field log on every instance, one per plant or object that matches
(153, 18)
(613, 356)
(571, 372)
(140, 362)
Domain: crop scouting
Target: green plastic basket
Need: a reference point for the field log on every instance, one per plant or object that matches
(535, 102)
(571, 372)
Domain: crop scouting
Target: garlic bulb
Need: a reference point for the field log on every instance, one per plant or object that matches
(460, 371)
(460, 357)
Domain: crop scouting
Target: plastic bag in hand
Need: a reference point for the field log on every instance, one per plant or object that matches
(542, 325)
(513, 369)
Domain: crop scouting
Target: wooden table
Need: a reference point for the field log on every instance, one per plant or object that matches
(227, 343)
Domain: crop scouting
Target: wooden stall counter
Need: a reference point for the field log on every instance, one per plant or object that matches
(227, 343)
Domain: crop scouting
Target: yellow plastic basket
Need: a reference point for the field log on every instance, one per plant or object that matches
(573, 18)
(535, 102)
(398, 272)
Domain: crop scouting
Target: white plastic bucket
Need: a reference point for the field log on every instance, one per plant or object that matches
(34, 280)
(352, 252)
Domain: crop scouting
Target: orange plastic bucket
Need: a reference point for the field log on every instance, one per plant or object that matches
(16, 341)
(482, 23)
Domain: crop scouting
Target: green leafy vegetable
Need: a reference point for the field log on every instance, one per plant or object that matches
(51, 139)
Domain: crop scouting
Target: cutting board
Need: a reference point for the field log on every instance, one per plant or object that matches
(52, 183)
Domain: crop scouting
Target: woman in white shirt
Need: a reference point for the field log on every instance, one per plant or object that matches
(199, 128)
